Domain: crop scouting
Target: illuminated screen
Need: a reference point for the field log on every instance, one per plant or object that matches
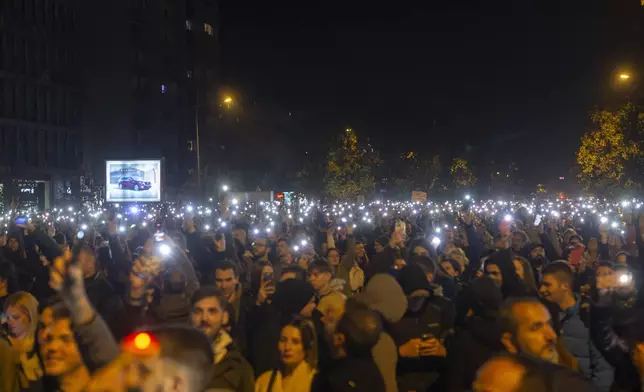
(138, 181)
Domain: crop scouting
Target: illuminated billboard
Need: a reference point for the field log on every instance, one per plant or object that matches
(137, 181)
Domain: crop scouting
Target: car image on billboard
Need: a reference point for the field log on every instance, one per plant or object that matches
(136, 181)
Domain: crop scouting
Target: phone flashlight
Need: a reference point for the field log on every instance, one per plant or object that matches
(624, 278)
(158, 236)
(164, 250)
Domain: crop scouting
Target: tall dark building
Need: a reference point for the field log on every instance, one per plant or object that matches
(84, 81)
(146, 61)
(40, 138)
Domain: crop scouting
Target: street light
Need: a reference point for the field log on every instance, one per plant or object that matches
(624, 76)
(228, 100)
(224, 188)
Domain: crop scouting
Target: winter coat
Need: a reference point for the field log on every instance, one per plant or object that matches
(350, 375)
(614, 349)
(233, 373)
(467, 350)
(103, 298)
(301, 380)
(425, 315)
(385, 296)
(577, 339)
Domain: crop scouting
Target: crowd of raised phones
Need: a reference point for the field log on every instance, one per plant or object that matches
(489, 305)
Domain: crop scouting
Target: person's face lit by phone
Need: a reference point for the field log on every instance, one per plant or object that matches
(604, 272)
(494, 272)
(260, 247)
(360, 250)
(537, 252)
(420, 251)
(334, 257)
(58, 349)
(13, 244)
(621, 259)
(448, 268)
(282, 248)
(209, 316)
(319, 280)
(291, 347)
(18, 321)
(226, 281)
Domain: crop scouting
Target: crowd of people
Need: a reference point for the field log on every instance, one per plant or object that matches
(466, 301)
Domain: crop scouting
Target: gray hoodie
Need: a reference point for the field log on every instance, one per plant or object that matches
(385, 296)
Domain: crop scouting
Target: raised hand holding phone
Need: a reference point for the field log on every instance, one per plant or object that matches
(66, 278)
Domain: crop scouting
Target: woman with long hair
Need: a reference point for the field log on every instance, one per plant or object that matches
(20, 366)
(298, 360)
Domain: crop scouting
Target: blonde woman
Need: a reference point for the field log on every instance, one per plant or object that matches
(298, 360)
(20, 367)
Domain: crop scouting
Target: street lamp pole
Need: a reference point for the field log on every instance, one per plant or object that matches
(198, 144)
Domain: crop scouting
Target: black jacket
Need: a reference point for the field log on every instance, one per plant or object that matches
(467, 350)
(425, 315)
(104, 298)
(233, 373)
(350, 375)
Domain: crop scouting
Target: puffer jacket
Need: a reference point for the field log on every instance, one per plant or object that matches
(577, 339)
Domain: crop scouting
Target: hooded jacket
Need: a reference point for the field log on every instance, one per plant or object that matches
(426, 313)
(512, 285)
(476, 338)
(385, 296)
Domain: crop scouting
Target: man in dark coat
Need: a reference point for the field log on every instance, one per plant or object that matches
(477, 334)
(231, 372)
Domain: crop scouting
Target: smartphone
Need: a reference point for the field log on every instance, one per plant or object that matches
(576, 255)
(537, 220)
(624, 278)
(22, 220)
(268, 276)
(400, 226)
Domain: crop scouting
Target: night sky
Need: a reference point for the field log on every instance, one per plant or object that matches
(501, 79)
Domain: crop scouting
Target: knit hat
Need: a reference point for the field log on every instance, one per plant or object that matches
(412, 278)
(291, 296)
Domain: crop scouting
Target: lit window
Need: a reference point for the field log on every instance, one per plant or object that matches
(189, 74)
(189, 25)
(207, 27)
(163, 89)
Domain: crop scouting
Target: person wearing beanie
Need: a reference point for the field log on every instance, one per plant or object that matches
(477, 335)
(420, 334)
(292, 298)
(385, 296)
